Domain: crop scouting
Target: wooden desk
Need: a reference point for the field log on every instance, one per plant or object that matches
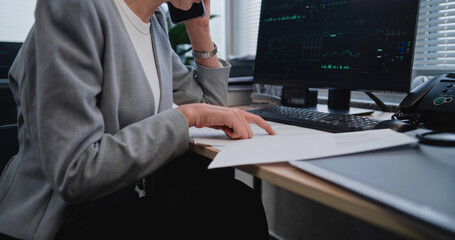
(321, 191)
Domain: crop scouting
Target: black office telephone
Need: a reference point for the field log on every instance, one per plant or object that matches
(431, 103)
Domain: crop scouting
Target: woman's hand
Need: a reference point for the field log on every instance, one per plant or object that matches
(233, 121)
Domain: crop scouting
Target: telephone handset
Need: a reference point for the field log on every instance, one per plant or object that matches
(410, 102)
(431, 103)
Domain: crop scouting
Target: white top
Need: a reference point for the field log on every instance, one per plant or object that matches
(141, 37)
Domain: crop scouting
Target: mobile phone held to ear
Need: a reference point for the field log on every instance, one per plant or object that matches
(179, 15)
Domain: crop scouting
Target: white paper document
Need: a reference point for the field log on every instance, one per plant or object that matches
(218, 139)
(289, 147)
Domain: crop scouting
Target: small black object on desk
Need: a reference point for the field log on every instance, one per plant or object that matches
(396, 125)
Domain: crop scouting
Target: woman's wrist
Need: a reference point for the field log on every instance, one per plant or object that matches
(200, 38)
(202, 43)
(187, 113)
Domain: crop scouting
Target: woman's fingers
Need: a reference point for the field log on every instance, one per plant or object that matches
(241, 125)
(240, 128)
(251, 118)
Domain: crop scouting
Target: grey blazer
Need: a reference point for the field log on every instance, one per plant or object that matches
(86, 123)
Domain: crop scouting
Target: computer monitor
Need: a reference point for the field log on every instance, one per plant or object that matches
(340, 45)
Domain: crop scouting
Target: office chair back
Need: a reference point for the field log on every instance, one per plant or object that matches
(9, 144)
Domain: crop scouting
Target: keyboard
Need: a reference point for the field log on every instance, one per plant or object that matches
(309, 118)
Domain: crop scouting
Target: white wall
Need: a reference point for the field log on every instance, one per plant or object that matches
(16, 19)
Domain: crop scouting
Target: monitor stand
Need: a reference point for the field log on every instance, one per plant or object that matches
(338, 101)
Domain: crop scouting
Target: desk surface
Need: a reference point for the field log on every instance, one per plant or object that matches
(312, 187)
(415, 180)
(322, 191)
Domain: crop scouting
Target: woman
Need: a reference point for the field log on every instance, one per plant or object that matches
(95, 118)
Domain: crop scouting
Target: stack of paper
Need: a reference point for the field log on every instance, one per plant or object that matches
(294, 143)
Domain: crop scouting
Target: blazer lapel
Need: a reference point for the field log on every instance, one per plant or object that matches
(160, 49)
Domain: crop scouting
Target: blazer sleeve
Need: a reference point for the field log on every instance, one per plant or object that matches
(200, 84)
(77, 157)
(203, 84)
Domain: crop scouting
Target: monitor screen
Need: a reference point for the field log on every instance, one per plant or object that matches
(342, 44)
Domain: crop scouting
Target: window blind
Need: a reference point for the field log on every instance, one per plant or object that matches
(245, 26)
(218, 26)
(435, 40)
(16, 19)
